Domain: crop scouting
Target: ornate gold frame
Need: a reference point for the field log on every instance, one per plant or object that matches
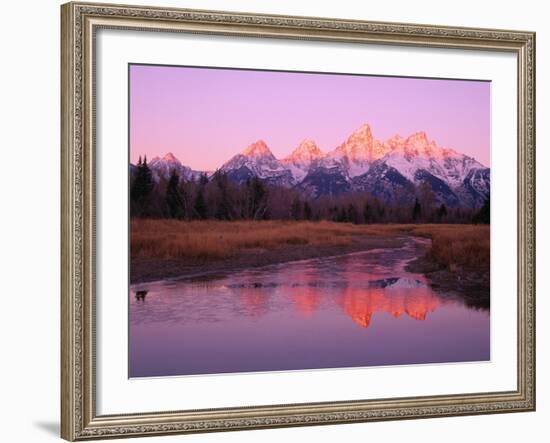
(79, 21)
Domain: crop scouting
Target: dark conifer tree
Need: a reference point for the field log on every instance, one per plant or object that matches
(296, 209)
(308, 215)
(484, 214)
(224, 209)
(203, 180)
(417, 211)
(442, 212)
(342, 215)
(141, 189)
(352, 214)
(199, 208)
(367, 213)
(174, 199)
(381, 212)
(258, 196)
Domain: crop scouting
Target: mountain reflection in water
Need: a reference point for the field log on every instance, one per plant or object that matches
(359, 309)
(362, 304)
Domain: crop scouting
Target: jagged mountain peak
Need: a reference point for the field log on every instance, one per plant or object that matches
(363, 132)
(358, 145)
(258, 160)
(418, 138)
(307, 150)
(419, 144)
(305, 157)
(391, 170)
(358, 151)
(396, 138)
(163, 167)
(169, 157)
(359, 142)
(257, 149)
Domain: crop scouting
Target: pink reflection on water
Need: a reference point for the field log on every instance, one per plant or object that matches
(356, 310)
(362, 304)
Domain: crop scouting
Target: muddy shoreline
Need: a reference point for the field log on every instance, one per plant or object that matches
(472, 285)
(144, 270)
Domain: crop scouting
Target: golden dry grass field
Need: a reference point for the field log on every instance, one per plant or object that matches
(452, 245)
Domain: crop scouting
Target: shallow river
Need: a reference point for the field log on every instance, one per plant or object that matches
(360, 309)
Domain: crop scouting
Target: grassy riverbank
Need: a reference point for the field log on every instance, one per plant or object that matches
(169, 248)
(457, 261)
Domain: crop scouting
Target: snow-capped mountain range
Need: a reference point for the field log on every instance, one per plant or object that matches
(163, 167)
(393, 170)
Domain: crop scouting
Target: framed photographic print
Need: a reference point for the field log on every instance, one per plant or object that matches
(282, 221)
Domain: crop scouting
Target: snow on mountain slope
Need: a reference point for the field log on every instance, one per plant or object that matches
(386, 183)
(305, 157)
(163, 167)
(356, 154)
(260, 161)
(417, 153)
(475, 187)
(392, 169)
(323, 181)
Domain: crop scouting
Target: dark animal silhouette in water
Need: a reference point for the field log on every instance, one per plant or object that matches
(140, 295)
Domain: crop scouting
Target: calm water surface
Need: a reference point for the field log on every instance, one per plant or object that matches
(359, 309)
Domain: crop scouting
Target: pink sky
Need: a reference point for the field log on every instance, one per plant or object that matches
(205, 116)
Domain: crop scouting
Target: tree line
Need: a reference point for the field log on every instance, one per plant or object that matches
(218, 197)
